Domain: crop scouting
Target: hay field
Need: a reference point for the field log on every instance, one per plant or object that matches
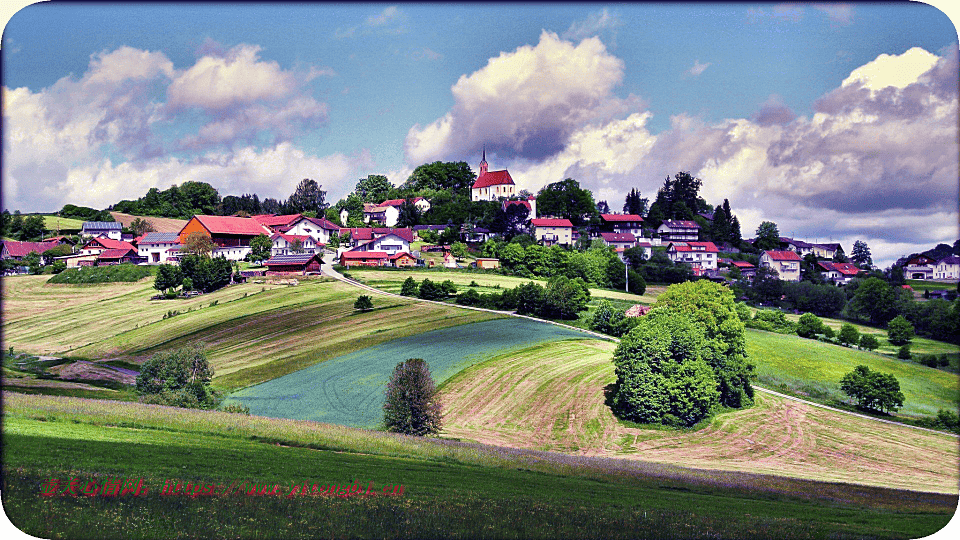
(551, 397)
(161, 224)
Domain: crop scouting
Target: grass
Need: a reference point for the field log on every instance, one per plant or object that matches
(810, 368)
(450, 489)
(551, 397)
(51, 222)
(104, 274)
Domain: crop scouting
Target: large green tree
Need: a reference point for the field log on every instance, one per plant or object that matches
(411, 404)
(860, 255)
(873, 390)
(373, 189)
(453, 176)
(768, 236)
(568, 200)
(180, 377)
(713, 307)
(307, 197)
(634, 204)
(260, 248)
(875, 301)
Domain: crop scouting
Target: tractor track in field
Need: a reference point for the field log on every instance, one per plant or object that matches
(327, 269)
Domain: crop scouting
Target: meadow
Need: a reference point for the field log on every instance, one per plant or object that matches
(451, 489)
(551, 396)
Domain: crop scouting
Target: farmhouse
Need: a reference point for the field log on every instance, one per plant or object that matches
(109, 229)
(947, 268)
(619, 240)
(320, 229)
(363, 235)
(622, 223)
(919, 267)
(747, 270)
(157, 248)
(18, 250)
(702, 255)
(364, 258)
(485, 263)
(118, 256)
(402, 259)
(492, 185)
(276, 223)
(679, 231)
(297, 263)
(283, 244)
(99, 244)
(839, 273)
(231, 235)
(553, 231)
(389, 243)
(785, 263)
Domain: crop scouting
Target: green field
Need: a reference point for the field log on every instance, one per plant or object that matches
(450, 489)
(52, 221)
(348, 390)
(811, 368)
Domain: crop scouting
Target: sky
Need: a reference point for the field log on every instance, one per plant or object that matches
(838, 122)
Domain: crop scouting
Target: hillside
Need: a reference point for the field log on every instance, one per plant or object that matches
(160, 224)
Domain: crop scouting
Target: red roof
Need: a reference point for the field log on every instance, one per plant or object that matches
(109, 243)
(398, 202)
(364, 255)
(621, 217)
(399, 254)
(546, 222)
(493, 178)
(232, 225)
(846, 269)
(291, 237)
(704, 247)
(783, 255)
(521, 203)
(276, 221)
(742, 264)
(618, 237)
(359, 233)
(115, 253)
(20, 249)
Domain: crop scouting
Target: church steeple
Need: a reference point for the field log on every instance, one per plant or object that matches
(483, 162)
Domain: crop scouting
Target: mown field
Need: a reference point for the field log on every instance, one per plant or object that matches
(551, 397)
(450, 489)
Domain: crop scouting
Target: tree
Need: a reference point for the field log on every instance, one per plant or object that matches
(411, 405)
(296, 246)
(661, 375)
(568, 200)
(634, 204)
(140, 226)
(363, 303)
(603, 207)
(809, 326)
(899, 331)
(409, 214)
(860, 256)
(848, 335)
(409, 288)
(456, 177)
(429, 290)
(260, 248)
(180, 377)
(458, 249)
(307, 197)
(564, 298)
(874, 300)
(373, 189)
(768, 236)
(168, 277)
(199, 243)
(872, 390)
(33, 227)
(713, 307)
(869, 342)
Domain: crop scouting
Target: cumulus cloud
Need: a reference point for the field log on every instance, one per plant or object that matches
(525, 103)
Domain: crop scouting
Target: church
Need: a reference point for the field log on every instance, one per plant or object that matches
(492, 185)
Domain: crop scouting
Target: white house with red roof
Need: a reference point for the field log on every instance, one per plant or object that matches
(785, 263)
(390, 244)
(679, 231)
(99, 244)
(919, 267)
(622, 223)
(492, 185)
(551, 231)
(320, 229)
(12, 249)
(618, 240)
(230, 235)
(840, 273)
(283, 244)
(702, 255)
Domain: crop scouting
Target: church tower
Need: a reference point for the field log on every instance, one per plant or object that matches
(483, 162)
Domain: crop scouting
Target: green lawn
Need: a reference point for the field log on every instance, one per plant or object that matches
(51, 222)
(450, 489)
(811, 368)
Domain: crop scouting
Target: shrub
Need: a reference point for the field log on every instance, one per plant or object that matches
(448, 288)
(429, 290)
(869, 342)
(411, 404)
(470, 298)
(809, 326)
(363, 303)
(772, 320)
(848, 335)
(180, 378)
(409, 288)
(904, 352)
(899, 331)
(238, 408)
(929, 360)
(872, 390)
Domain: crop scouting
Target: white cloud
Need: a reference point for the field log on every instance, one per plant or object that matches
(897, 71)
(595, 24)
(389, 15)
(698, 68)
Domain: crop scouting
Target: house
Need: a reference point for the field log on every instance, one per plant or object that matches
(362, 235)
(110, 257)
(919, 267)
(296, 263)
(59, 240)
(747, 270)
(623, 224)
(785, 263)
(647, 249)
(320, 229)
(384, 215)
(484, 263)
(549, 231)
(797, 246)
(839, 273)
(679, 231)
(702, 255)
(530, 203)
(492, 185)
(826, 251)
(449, 261)
(947, 268)
(109, 229)
(364, 258)
(402, 259)
(618, 240)
(99, 244)
(230, 235)
(18, 250)
(474, 234)
(419, 202)
(277, 223)
(390, 244)
(283, 244)
(157, 247)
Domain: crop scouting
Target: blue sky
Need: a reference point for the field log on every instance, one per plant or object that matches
(785, 109)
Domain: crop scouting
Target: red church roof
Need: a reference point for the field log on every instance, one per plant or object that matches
(493, 178)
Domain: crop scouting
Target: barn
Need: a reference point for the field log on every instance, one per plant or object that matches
(297, 263)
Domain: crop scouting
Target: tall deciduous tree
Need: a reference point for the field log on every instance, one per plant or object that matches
(308, 197)
(411, 405)
(453, 176)
(260, 248)
(568, 200)
(768, 236)
(199, 243)
(860, 255)
(373, 189)
(873, 390)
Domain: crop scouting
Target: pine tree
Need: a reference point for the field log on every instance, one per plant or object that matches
(411, 405)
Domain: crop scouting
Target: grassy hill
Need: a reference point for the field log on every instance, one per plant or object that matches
(450, 489)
